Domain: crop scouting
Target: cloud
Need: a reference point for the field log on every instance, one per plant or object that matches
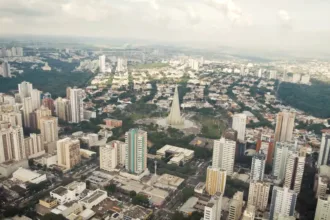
(6, 20)
(285, 19)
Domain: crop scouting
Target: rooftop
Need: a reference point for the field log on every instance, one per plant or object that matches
(94, 196)
(60, 191)
(138, 212)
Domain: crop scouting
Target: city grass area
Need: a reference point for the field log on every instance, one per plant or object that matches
(211, 127)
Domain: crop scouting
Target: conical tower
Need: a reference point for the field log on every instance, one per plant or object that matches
(174, 118)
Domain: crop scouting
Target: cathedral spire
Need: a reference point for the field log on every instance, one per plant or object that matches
(174, 118)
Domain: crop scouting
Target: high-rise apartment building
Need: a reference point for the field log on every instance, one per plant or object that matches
(324, 156)
(63, 109)
(323, 208)
(14, 118)
(43, 111)
(212, 210)
(34, 146)
(108, 157)
(294, 172)
(235, 206)
(36, 98)
(68, 152)
(136, 151)
(249, 213)
(281, 155)
(102, 63)
(49, 129)
(258, 166)
(25, 89)
(224, 155)
(258, 195)
(6, 73)
(11, 143)
(239, 124)
(215, 180)
(27, 109)
(68, 92)
(48, 102)
(77, 108)
(121, 65)
(121, 151)
(284, 126)
(283, 202)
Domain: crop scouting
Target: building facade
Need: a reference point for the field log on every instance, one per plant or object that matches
(68, 153)
(77, 108)
(258, 166)
(283, 202)
(294, 172)
(136, 141)
(49, 129)
(224, 155)
(12, 144)
(284, 126)
(258, 195)
(324, 158)
(215, 180)
(323, 208)
(239, 124)
(281, 155)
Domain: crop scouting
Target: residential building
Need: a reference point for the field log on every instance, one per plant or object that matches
(294, 172)
(14, 118)
(258, 166)
(34, 146)
(215, 180)
(324, 156)
(48, 102)
(136, 151)
(49, 129)
(27, 109)
(212, 210)
(258, 195)
(43, 111)
(12, 144)
(323, 208)
(224, 155)
(36, 99)
(77, 108)
(121, 65)
(235, 206)
(108, 157)
(281, 155)
(284, 126)
(25, 89)
(239, 124)
(102, 63)
(6, 73)
(249, 213)
(113, 122)
(283, 202)
(68, 152)
(63, 109)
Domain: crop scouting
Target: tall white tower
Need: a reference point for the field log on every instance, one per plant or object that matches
(77, 110)
(102, 63)
(239, 124)
(258, 166)
(174, 118)
(224, 155)
(324, 158)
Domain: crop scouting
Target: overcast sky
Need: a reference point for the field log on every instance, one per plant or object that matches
(277, 24)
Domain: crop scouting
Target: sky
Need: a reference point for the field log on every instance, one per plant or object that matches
(302, 25)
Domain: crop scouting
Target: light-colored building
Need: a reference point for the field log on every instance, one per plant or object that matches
(63, 109)
(121, 151)
(93, 199)
(121, 65)
(235, 206)
(77, 108)
(258, 166)
(36, 99)
(68, 193)
(178, 155)
(25, 89)
(281, 155)
(26, 175)
(323, 208)
(102, 63)
(109, 157)
(68, 152)
(215, 180)
(283, 202)
(249, 213)
(174, 118)
(34, 146)
(136, 141)
(324, 158)
(258, 195)
(284, 126)
(27, 109)
(43, 111)
(239, 125)
(224, 155)
(294, 172)
(14, 118)
(12, 144)
(6, 73)
(113, 122)
(49, 129)
(212, 210)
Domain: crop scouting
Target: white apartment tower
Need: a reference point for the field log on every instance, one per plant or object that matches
(239, 124)
(25, 89)
(224, 155)
(63, 109)
(121, 65)
(27, 109)
(77, 108)
(136, 151)
(34, 146)
(108, 157)
(43, 111)
(68, 153)
(49, 129)
(284, 126)
(36, 98)
(281, 155)
(324, 158)
(102, 63)
(258, 195)
(212, 210)
(283, 202)
(323, 208)
(235, 206)
(258, 166)
(12, 144)
(294, 172)
(6, 70)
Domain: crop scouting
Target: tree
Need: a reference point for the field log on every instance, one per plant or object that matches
(187, 193)
(140, 199)
(111, 188)
(52, 216)
(132, 194)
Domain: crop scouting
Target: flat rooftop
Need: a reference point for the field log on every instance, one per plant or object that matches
(60, 191)
(94, 196)
(175, 150)
(138, 212)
